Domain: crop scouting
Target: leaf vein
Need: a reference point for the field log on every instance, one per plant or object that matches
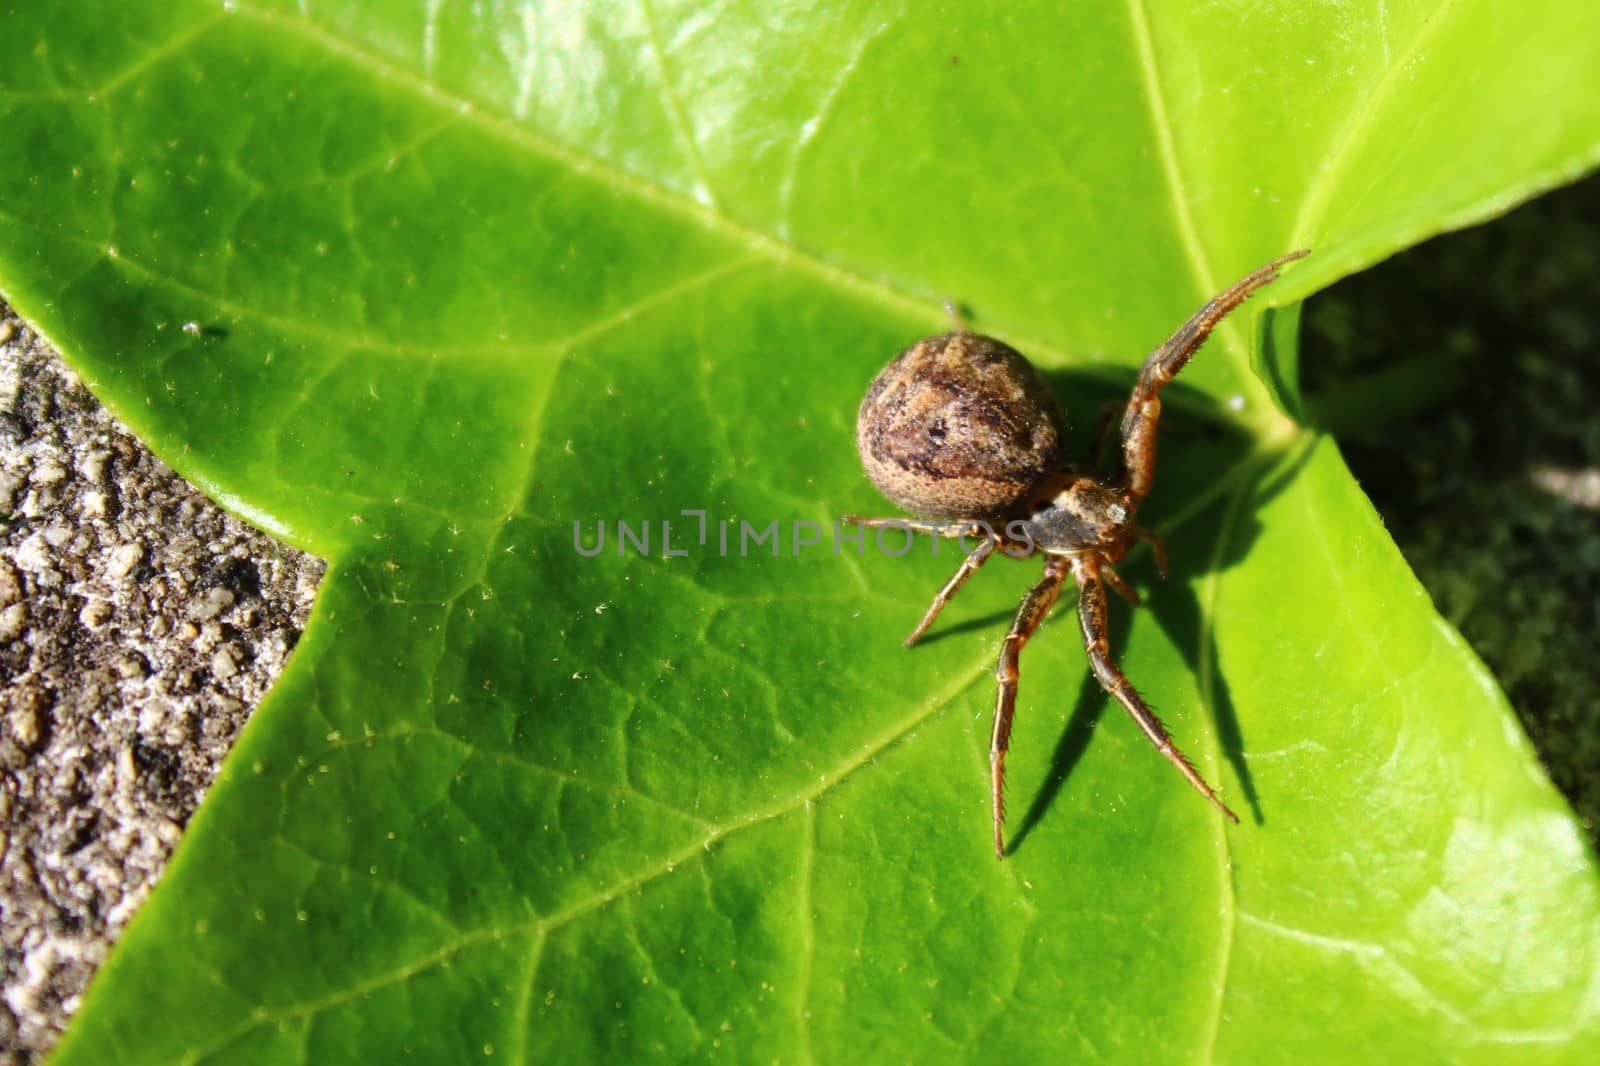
(1313, 208)
(808, 931)
(522, 1011)
(164, 50)
(1381, 961)
(826, 782)
(1168, 149)
(1228, 893)
(877, 290)
(676, 111)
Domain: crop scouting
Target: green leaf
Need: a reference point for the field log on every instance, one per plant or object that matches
(419, 287)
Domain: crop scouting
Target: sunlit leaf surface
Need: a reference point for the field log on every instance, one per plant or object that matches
(419, 286)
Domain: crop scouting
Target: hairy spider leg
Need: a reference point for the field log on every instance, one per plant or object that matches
(966, 528)
(1111, 413)
(1035, 605)
(969, 566)
(1086, 570)
(1119, 586)
(1144, 408)
(1158, 548)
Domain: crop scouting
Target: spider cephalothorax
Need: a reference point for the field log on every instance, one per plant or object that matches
(961, 430)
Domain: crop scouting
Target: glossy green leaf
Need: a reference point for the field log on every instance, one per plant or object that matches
(419, 286)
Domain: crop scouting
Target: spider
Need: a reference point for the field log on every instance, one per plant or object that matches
(961, 430)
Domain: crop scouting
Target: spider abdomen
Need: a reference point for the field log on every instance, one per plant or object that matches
(959, 426)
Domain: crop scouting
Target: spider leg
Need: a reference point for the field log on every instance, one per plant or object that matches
(1158, 548)
(1109, 413)
(1087, 571)
(1144, 409)
(1121, 587)
(915, 525)
(969, 566)
(1035, 605)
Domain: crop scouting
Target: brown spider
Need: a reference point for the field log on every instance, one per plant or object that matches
(962, 431)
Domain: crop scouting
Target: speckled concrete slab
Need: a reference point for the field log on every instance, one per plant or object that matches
(139, 624)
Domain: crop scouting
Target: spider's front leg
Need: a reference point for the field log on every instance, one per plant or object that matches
(1144, 409)
(969, 565)
(1086, 570)
(915, 525)
(1035, 605)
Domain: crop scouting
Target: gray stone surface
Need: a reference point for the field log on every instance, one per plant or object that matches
(139, 624)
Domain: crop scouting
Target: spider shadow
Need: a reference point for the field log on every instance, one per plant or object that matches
(971, 625)
(1194, 444)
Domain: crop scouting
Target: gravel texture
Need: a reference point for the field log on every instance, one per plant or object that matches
(139, 624)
